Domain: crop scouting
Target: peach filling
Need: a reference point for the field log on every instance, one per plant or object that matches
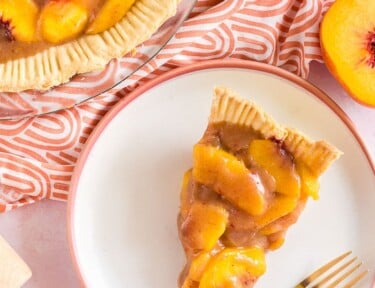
(236, 204)
(30, 26)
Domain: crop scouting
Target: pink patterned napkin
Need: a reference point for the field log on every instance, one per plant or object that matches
(37, 155)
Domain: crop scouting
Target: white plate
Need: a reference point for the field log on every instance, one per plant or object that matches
(125, 193)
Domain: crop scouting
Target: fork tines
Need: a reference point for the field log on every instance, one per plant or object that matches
(335, 272)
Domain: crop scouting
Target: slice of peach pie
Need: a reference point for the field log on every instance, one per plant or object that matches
(250, 180)
(44, 43)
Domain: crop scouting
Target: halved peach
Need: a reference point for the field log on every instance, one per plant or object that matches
(229, 177)
(348, 47)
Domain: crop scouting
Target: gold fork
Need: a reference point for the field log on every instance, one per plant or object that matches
(323, 275)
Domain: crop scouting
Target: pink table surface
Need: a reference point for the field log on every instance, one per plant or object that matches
(38, 232)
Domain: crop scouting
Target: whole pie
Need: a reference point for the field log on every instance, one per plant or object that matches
(250, 180)
(44, 43)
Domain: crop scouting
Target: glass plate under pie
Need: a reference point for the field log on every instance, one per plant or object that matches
(82, 87)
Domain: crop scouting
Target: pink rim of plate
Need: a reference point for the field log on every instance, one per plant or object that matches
(206, 65)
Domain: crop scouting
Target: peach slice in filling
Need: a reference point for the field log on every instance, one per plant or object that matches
(203, 226)
(229, 177)
(275, 160)
(110, 13)
(63, 20)
(19, 18)
(309, 181)
(234, 268)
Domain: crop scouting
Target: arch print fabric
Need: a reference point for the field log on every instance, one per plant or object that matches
(37, 155)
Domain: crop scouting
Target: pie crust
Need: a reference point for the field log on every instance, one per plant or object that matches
(228, 107)
(57, 64)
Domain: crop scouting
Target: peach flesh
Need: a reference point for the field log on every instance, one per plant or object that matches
(7, 29)
(371, 49)
(347, 43)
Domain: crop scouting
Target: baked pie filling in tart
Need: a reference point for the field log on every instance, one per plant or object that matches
(250, 180)
(44, 43)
